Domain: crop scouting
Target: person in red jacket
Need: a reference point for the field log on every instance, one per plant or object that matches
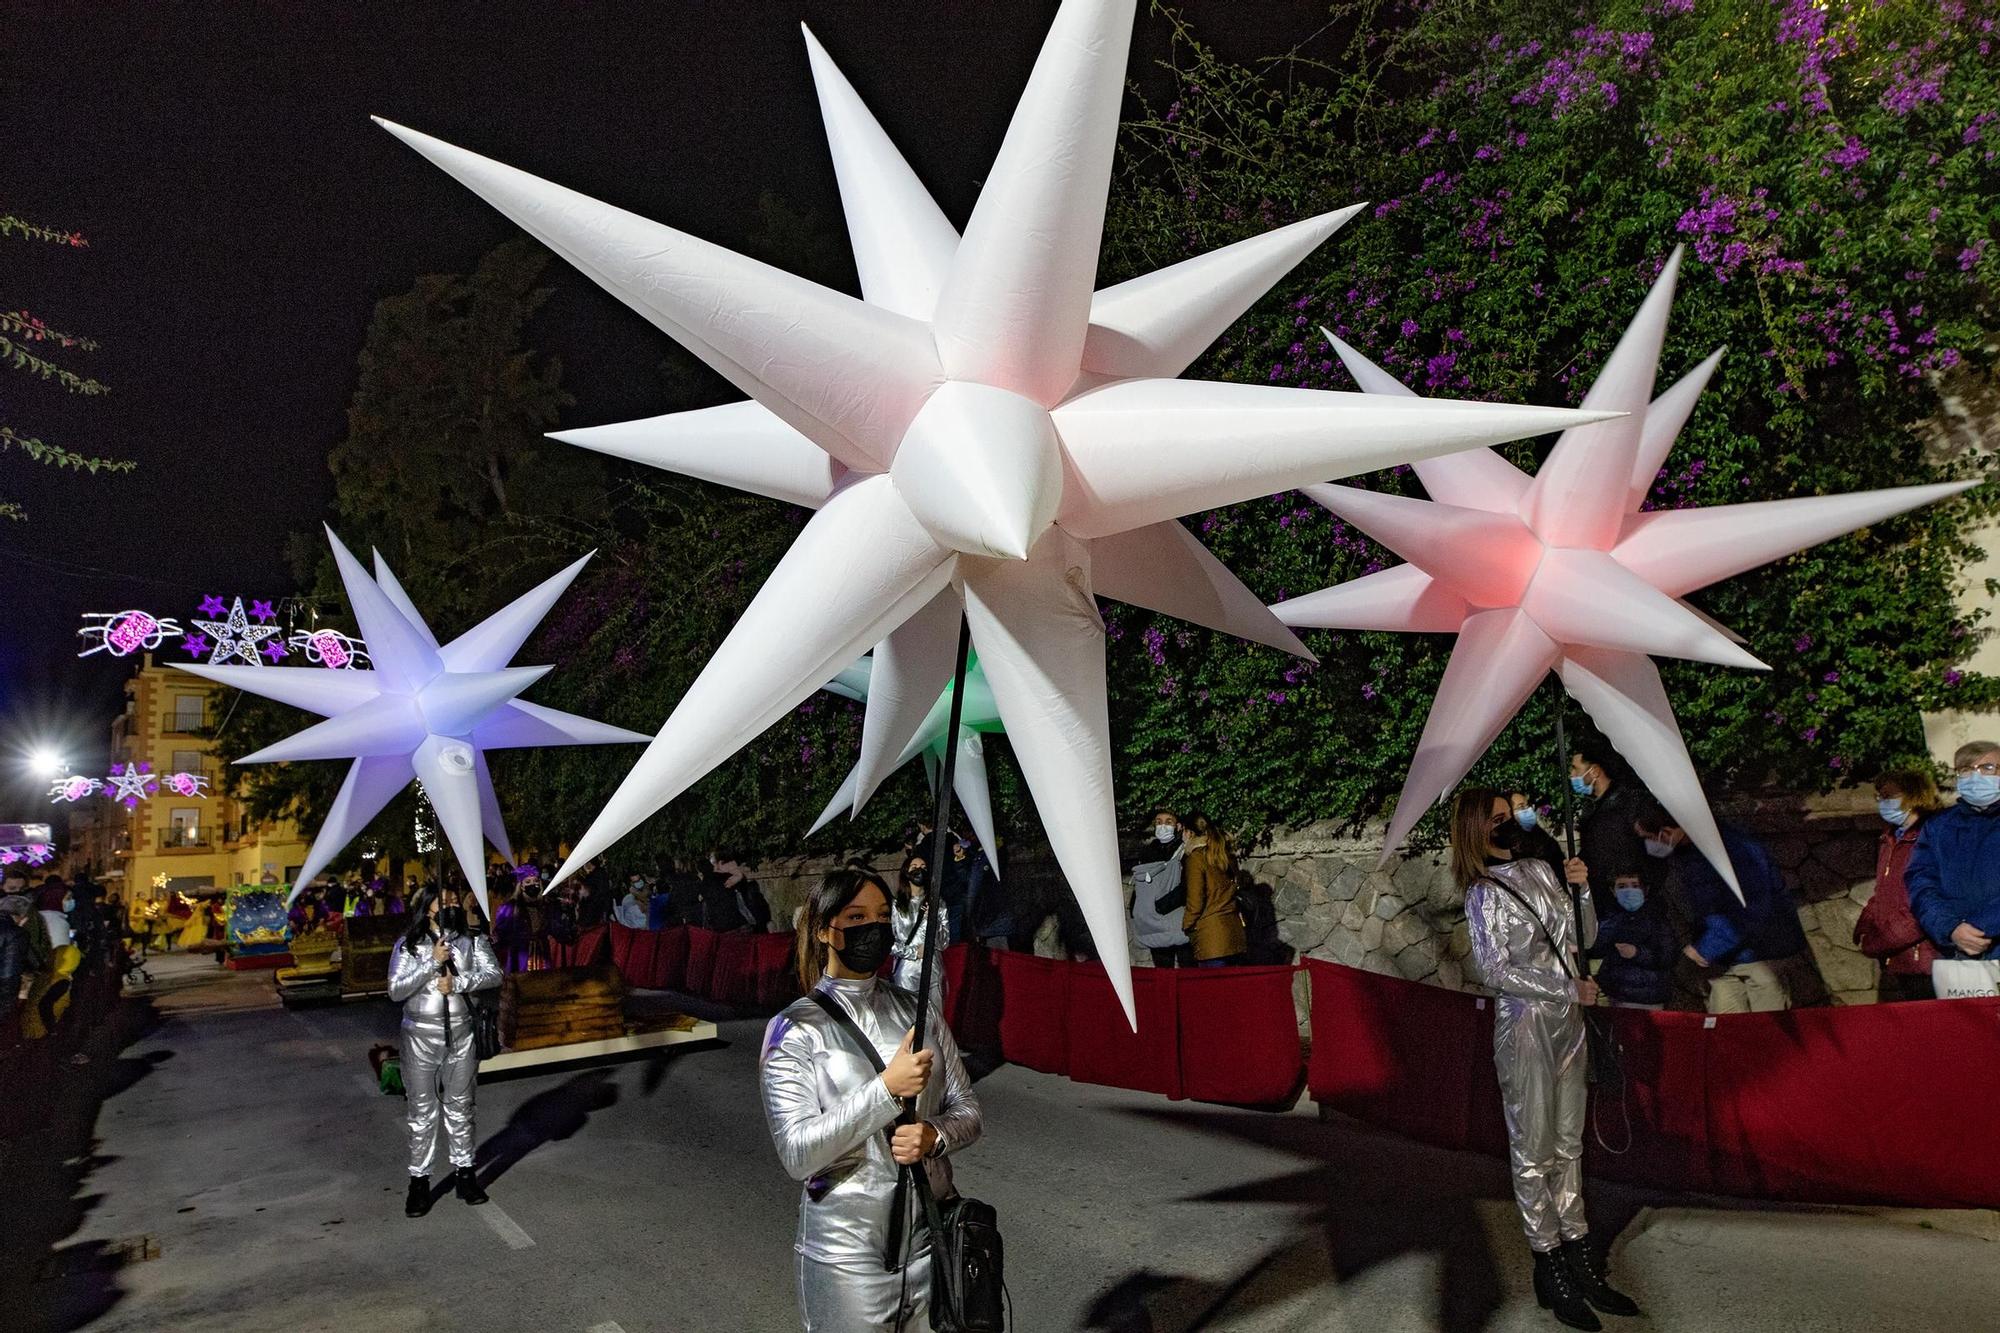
(1887, 931)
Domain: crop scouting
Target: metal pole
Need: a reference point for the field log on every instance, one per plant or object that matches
(1569, 821)
(939, 849)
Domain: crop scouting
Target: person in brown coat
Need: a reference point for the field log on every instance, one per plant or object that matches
(1213, 923)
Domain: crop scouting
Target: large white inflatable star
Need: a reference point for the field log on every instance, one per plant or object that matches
(983, 428)
(423, 711)
(978, 715)
(1563, 572)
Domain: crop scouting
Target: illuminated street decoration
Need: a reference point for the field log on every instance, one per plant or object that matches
(330, 648)
(261, 612)
(131, 784)
(74, 789)
(192, 785)
(122, 633)
(213, 606)
(275, 650)
(236, 639)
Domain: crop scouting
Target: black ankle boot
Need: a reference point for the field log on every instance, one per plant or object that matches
(1557, 1291)
(1587, 1267)
(468, 1185)
(419, 1201)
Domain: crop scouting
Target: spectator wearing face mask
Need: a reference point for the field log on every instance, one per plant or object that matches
(635, 909)
(1887, 931)
(1159, 890)
(1596, 771)
(1212, 920)
(1537, 840)
(1637, 943)
(1752, 950)
(1954, 870)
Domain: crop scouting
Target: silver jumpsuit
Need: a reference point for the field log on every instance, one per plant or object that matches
(908, 951)
(828, 1110)
(1538, 1044)
(438, 1082)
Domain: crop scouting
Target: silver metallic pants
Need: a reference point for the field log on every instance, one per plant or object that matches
(1538, 1049)
(849, 1300)
(438, 1081)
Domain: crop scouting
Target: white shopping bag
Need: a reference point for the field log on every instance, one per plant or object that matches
(1965, 978)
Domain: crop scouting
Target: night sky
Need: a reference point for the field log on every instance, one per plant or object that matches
(244, 216)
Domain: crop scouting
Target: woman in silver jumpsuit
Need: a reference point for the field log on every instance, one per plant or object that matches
(437, 964)
(909, 907)
(833, 1117)
(1524, 943)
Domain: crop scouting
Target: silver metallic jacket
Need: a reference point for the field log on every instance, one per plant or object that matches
(908, 949)
(1538, 1043)
(413, 977)
(828, 1108)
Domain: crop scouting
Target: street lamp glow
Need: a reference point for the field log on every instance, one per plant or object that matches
(46, 764)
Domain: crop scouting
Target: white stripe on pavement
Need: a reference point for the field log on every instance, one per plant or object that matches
(608, 1326)
(505, 1227)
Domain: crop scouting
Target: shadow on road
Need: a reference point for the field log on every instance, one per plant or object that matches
(1368, 1199)
(544, 1118)
(48, 1154)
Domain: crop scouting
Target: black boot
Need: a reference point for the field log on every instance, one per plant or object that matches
(1558, 1292)
(419, 1201)
(1587, 1267)
(468, 1185)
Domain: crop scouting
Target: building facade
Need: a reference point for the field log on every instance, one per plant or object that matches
(178, 839)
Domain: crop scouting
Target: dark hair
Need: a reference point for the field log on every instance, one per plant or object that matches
(903, 894)
(1917, 788)
(420, 928)
(1159, 810)
(1596, 750)
(828, 900)
(1653, 817)
(1471, 825)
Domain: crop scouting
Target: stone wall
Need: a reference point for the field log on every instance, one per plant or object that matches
(1408, 919)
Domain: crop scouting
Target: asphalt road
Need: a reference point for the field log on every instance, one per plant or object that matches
(249, 1146)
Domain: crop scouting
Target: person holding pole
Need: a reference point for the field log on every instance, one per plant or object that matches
(837, 1120)
(1527, 941)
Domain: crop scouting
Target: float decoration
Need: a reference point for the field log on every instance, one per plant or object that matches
(983, 431)
(421, 711)
(1563, 571)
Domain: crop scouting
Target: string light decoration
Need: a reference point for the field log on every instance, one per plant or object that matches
(130, 784)
(74, 789)
(332, 649)
(236, 639)
(191, 785)
(122, 633)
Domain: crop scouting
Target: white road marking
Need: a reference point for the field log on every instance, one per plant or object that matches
(608, 1326)
(505, 1227)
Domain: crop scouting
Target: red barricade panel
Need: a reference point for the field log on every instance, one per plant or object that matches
(635, 953)
(771, 963)
(700, 976)
(1664, 1099)
(734, 981)
(972, 996)
(1104, 1050)
(1033, 1019)
(1892, 1103)
(1396, 1053)
(1239, 1033)
(589, 946)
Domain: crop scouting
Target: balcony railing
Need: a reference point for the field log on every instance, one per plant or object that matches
(186, 839)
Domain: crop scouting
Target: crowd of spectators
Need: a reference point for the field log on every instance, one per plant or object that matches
(61, 947)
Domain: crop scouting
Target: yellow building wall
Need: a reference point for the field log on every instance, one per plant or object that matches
(212, 846)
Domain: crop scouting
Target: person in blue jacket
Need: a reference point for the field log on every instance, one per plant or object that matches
(1637, 943)
(1750, 949)
(1954, 873)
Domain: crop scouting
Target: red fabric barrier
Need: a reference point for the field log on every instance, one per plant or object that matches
(589, 946)
(700, 975)
(734, 981)
(1033, 1018)
(1239, 1034)
(771, 963)
(651, 959)
(1104, 1050)
(972, 997)
(1883, 1104)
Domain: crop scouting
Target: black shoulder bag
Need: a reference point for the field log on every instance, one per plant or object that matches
(1606, 1061)
(968, 1290)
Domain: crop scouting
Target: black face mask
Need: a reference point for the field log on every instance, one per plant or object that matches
(451, 920)
(919, 876)
(1506, 837)
(867, 947)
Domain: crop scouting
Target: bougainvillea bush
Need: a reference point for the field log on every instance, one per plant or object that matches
(1830, 169)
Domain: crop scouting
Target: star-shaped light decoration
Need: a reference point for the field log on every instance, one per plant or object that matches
(982, 428)
(262, 613)
(236, 637)
(194, 645)
(275, 650)
(213, 606)
(130, 784)
(977, 716)
(1562, 571)
(422, 711)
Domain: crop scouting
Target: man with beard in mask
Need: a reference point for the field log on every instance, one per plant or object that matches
(1159, 891)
